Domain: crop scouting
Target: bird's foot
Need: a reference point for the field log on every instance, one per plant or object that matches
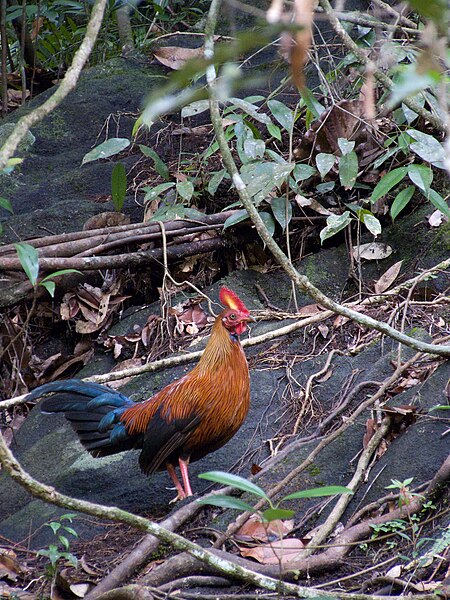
(179, 496)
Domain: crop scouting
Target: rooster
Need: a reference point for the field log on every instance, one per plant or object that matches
(183, 422)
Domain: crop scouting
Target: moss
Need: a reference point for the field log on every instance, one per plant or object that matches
(54, 127)
(314, 470)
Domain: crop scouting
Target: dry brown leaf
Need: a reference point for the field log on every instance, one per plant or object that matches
(254, 530)
(311, 203)
(388, 278)
(175, 57)
(371, 427)
(273, 553)
(340, 320)
(309, 310)
(324, 330)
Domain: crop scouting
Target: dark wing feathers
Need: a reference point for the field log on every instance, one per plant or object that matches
(162, 439)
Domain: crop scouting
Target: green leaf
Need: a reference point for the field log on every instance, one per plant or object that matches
(160, 166)
(428, 148)
(6, 204)
(152, 193)
(327, 490)
(254, 148)
(372, 224)
(274, 131)
(311, 103)
(194, 108)
(348, 170)
(401, 201)
(335, 223)
(237, 217)
(421, 176)
(29, 259)
(235, 481)
(185, 189)
(282, 114)
(50, 286)
(436, 10)
(280, 209)
(251, 109)
(324, 162)
(272, 514)
(302, 172)
(268, 221)
(227, 502)
(438, 201)
(261, 178)
(387, 182)
(324, 188)
(53, 554)
(409, 83)
(64, 541)
(215, 181)
(345, 146)
(106, 149)
(54, 526)
(118, 186)
(71, 530)
(57, 274)
(71, 559)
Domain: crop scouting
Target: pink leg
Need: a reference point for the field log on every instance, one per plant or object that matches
(181, 493)
(185, 476)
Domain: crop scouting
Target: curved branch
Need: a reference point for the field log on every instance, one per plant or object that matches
(67, 85)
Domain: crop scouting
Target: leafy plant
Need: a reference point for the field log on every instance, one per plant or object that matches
(61, 549)
(274, 511)
(29, 259)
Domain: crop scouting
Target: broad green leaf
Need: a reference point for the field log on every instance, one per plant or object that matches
(10, 165)
(272, 514)
(268, 221)
(387, 182)
(302, 172)
(428, 148)
(436, 10)
(227, 502)
(311, 103)
(324, 188)
(421, 176)
(401, 201)
(118, 186)
(327, 490)
(106, 149)
(282, 114)
(254, 148)
(64, 541)
(438, 201)
(50, 286)
(324, 162)
(169, 213)
(160, 166)
(54, 526)
(251, 109)
(261, 178)
(348, 170)
(335, 223)
(185, 189)
(409, 83)
(29, 259)
(235, 481)
(237, 217)
(274, 131)
(372, 224)
(280, 210)
(194, 108)
(6, 204)
(58, 273)
(215, 181)
(152, 193)
(345, 146)
(71, 530)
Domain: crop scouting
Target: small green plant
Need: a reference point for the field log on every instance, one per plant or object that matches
(29, 259)
(274, 511)
(60, 550)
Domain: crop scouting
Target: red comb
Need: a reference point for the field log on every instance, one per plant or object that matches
(231, 300)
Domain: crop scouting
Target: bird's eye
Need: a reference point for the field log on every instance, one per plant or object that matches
(233, 317)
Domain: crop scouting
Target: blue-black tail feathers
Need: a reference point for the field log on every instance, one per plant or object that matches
(94, 412)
